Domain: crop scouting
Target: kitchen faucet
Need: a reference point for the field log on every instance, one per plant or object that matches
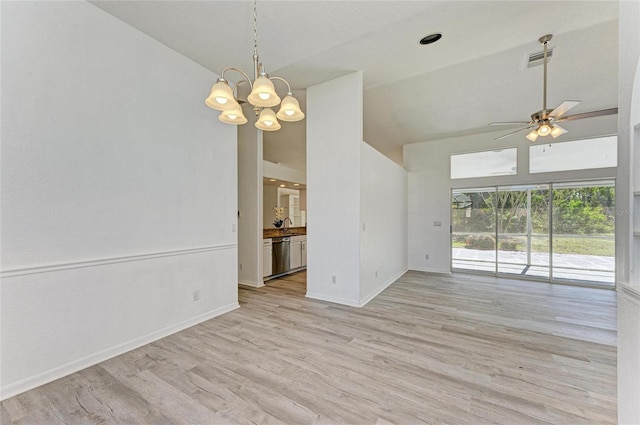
(284, 224)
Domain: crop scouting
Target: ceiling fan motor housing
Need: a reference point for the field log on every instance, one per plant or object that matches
(542, 115)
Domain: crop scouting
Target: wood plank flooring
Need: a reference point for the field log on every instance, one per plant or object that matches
(429, 349)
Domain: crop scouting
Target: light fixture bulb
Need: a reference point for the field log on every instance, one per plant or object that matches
(221, 100)
(264, 96)
(544, 130)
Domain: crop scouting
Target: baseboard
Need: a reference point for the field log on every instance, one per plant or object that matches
(85, 362)
(382, 287)
(336, 300)
(251, 284)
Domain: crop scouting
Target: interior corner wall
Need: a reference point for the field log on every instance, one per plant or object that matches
(628, 294)
(383, 215)
(250, 203)
(334, 134)
(118, 192)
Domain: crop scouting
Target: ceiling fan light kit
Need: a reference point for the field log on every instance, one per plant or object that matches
(263, 96)
(544, 122)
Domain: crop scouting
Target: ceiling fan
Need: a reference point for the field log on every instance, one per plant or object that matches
(545, 121)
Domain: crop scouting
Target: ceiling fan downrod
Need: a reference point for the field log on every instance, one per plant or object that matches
(544, 40)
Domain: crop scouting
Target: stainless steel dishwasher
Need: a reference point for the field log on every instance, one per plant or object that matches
(280, 262)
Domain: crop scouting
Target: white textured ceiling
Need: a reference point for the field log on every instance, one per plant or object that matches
(475, 75)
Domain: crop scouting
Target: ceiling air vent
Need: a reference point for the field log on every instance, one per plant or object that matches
(537, 58)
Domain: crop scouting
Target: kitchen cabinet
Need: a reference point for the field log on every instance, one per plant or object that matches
(298, 253)
(292, 204)
(267, 253)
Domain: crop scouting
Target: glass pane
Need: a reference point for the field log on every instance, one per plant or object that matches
(601, 152)
(501, 162)
(583, 232)
(473, 229)
(523, 226)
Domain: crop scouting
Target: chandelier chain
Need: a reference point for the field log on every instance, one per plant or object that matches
(262, 96)
(255, 27)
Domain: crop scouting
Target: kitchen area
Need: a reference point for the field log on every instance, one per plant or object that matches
(284, 243)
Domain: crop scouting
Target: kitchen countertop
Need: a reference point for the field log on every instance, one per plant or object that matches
(288, 231)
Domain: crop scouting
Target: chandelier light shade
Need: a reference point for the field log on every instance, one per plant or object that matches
(221, 96)
(290, 109)
(267, 120)
(262, 97)
(264, 93)
(233, 115)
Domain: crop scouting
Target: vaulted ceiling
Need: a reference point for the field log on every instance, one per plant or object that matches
(476, 74)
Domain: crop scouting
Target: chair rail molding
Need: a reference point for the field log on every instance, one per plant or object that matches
(49, 268)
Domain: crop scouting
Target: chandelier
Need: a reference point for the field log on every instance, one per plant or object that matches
(263, 95)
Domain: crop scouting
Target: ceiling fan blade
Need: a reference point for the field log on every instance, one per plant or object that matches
(513, 132)
(563, 108)
(602, 112)
(510, 122)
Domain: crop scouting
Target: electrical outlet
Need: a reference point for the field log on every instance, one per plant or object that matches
(233, 227)
(376, 273)
(196, 295)
(333, 279)
(240, 266)
(426, 256)
(437, 223)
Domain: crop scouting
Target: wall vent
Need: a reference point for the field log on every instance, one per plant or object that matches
(537, 58)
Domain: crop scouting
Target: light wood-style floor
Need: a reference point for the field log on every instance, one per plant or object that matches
(430, 349)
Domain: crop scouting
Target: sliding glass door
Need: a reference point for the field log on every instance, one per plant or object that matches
(558, 232)
(522, 217)
(583, 239)
(473, 229)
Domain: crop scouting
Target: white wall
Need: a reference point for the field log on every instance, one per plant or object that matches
(250, 202)
(118, 192)
(357, 198)
(628, 295)
(429, 185)
(269, 201)
(334, 134)
(383, 216)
